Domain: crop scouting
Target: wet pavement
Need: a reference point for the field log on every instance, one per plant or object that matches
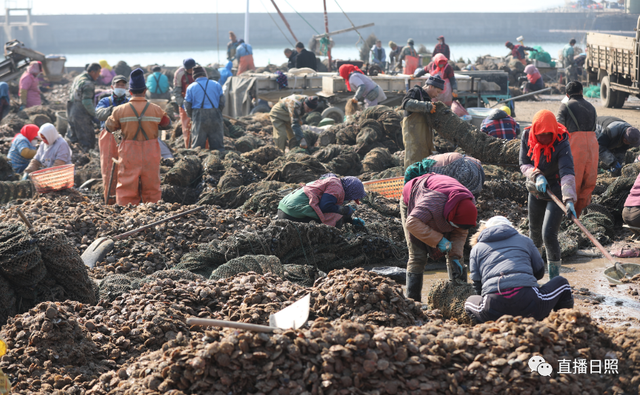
(607, 304)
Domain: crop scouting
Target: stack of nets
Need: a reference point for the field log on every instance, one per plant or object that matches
(11, 190)
(449, 297)
(615, 195)
(185, 172)
(38, 266)
(115, 285)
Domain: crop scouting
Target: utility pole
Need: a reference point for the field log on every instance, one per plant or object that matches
(326, 29)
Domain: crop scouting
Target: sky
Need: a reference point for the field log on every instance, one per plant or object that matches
(49, 7)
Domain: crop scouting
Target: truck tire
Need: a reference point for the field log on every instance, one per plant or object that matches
(608, 96)
(334, 113)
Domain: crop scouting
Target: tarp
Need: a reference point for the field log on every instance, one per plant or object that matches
(238, 92)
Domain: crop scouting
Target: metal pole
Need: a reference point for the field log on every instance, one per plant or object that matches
(218, 32)
(246, 24)
(326, 29)
(285, 21)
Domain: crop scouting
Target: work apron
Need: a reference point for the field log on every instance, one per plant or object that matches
(139, 169)
(446, 96)
(108, 150)
(410, 64)
(184, 117)
(585, 152)
(417, 137)
(245, 64)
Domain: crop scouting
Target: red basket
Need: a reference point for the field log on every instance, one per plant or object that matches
(389, 187)
(53, 178)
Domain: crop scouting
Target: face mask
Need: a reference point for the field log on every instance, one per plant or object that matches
(119, 91)
(441, 65)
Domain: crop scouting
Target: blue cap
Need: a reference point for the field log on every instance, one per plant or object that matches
(189, 63)
(136, 80)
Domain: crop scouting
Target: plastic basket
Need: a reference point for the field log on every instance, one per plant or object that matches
(53, 179)
(389, 187)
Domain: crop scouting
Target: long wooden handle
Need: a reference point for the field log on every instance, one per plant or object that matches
(24, 218)
(582, 228)
(229, 324)
(140, 229)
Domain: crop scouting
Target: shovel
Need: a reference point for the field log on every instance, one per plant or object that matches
(293, 316)
(618, 267)
(103, 245)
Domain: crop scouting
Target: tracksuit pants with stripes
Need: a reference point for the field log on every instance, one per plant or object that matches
(536, 302)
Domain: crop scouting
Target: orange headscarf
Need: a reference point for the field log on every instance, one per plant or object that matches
(544, 122)
(345, 71)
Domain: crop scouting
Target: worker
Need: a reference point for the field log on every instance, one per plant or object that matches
(204, 102)
(106, 73)
(158, 84)
(517, 51)
(324, 200)
(615, 137)
(442, 48)
(579, 117)
(466, 169)
(305, 58)
(379, 56)
(416, 134)
(440, 66)
(499, 124)
(568, 60)
(437, 213)
(5, 100)
(231, 46)
(291, 58)
(631, 210)
(23, 148)
(366, 89)
(410, 57)
(54, 150)
(547, 164)
(29, 86)
(244, 54)
(118, 96)
(534, 80)
(286, 117)
(505, 267)
(225, 73)
(396, 50)
(182, 78)
(139, 151)
(81, 112)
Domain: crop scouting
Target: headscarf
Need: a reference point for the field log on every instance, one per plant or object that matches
(345, 71)
(50, 133)
(464, 213)
(544, 122)
(104, 64)
(498, 220)
(29, 131)
(440, 58)
(353, 189)
(392, 44)
(4, 91)
(632, 135)
(34, 68)
(531, 69)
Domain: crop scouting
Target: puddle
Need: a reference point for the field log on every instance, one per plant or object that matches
(616, 307)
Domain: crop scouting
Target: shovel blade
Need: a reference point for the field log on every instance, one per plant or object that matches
(293, 316)
(97, 251)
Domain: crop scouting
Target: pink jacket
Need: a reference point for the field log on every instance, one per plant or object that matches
(29, 82)
(314, 192)
(633, 200)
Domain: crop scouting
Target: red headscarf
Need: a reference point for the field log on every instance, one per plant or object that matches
(464, 213)
(345, 71)
(544, 122)
(28, 131)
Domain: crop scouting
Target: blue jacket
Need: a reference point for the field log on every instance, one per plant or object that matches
(19, 162)
(243, 50)
(157, 83)
(196, 93)
(504, 257)
(109, 101)
(225, 72)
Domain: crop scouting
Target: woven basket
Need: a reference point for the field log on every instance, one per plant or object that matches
(389, 187)
(53, 179)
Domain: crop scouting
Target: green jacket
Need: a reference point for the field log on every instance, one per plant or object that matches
(83, 90)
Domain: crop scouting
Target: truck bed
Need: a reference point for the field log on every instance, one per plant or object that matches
(613, 53)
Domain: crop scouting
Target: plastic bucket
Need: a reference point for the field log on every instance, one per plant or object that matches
(62, 123)
(478, 114)
(54, 67)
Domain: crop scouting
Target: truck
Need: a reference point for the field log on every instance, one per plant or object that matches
(614, 62)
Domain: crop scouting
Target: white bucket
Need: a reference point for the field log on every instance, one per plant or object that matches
(478, 114)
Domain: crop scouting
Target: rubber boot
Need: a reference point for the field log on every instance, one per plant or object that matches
(554, 268)
(414, 286)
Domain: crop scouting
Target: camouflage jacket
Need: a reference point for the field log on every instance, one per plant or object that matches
(294, 105)
(83, 87)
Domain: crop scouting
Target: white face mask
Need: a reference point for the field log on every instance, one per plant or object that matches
(119, 91)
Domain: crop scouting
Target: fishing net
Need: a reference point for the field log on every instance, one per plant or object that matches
(184, 173)
(298, 169)
(313, 118)
(346, 164)
(175, 275)
(505, 189)
(20, 260)
(261, 264)
(233, 131)
(369, 137)
(304, 275)
(248, 143)
(175, 194)
(11, 190)
(263, 155)
(6, 171)
(263, 202)
(7, 301)
(113, 286)
(449, 298)
(615, 196)
(378, 159)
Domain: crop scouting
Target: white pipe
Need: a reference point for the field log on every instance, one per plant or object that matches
(246, 24)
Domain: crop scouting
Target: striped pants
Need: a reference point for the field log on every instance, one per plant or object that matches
(536, 302)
